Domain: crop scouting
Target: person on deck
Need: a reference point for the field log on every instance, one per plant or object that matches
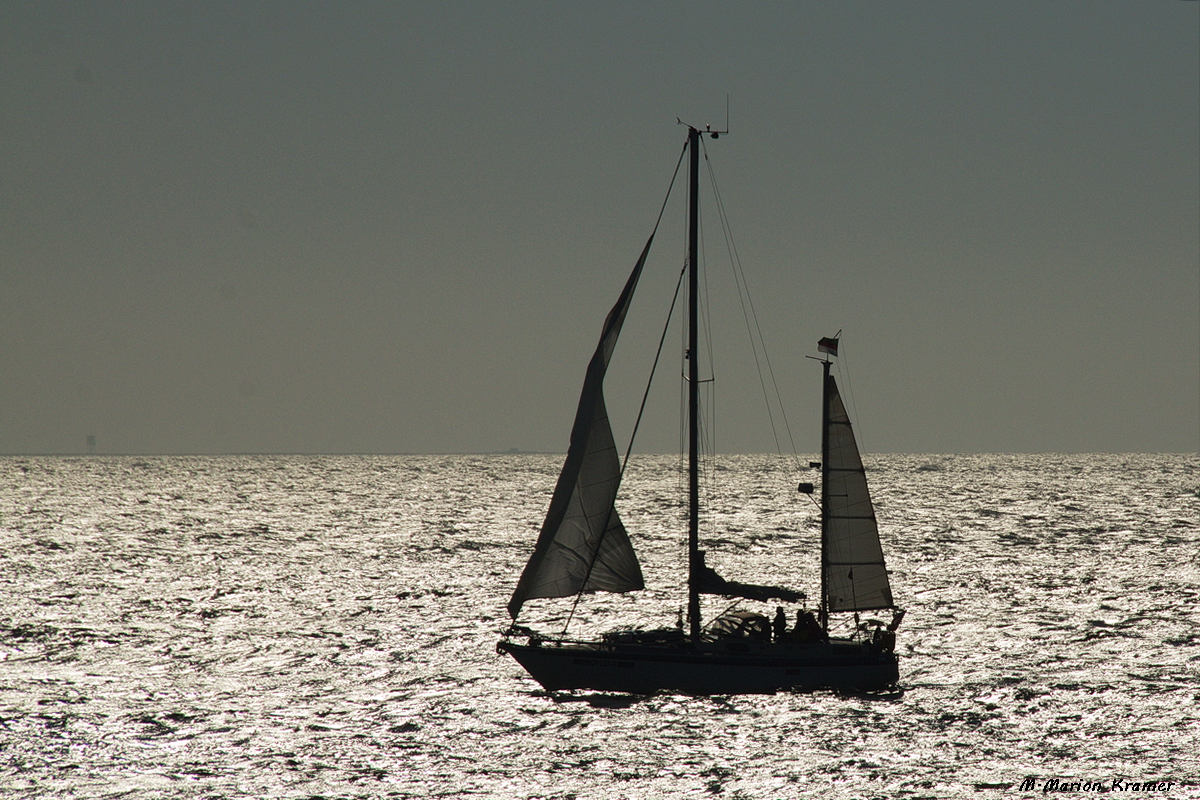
(807, 626)
(779, 624)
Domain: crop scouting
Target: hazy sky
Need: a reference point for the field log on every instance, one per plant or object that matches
(391, 227)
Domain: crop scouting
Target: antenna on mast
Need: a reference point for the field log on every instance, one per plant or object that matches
(708, 129)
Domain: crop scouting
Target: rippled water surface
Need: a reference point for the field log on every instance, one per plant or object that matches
(325, 626)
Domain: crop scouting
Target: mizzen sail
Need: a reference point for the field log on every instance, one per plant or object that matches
(855, 576)
(583, 546)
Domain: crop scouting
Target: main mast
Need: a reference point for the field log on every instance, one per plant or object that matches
(693, 358)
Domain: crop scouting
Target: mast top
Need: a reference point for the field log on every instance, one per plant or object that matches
(829, 345)
(708, 129)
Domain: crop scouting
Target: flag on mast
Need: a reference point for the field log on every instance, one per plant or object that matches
(828, 345)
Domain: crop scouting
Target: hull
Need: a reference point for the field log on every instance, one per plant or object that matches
(707, 668)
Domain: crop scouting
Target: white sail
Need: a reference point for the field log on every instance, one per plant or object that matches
(583, 546)
(855, 575)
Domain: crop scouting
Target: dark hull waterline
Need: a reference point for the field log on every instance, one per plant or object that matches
(710, 668)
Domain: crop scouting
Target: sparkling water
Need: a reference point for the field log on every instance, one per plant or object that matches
(325, 626)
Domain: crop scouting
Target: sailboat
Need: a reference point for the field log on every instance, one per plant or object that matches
(583, 547)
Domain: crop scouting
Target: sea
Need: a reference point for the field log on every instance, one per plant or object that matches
(326, 627)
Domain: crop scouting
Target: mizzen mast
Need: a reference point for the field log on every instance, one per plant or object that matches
(829, 347)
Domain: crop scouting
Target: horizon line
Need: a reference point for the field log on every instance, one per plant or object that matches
(516, 452)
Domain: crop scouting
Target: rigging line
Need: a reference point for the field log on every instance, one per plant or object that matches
(670, 186)
(654, 367)
(728, 608)
(628, 451)
(856, 421)
(707, 434)
(743, 285)
(707, 413)
(682, 477)
(620, 476)
(710, 416)
(737, 261)
(738, 281)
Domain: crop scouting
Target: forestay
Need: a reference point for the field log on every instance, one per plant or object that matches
(583, 546)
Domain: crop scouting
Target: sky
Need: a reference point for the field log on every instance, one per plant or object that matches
(377, 227)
